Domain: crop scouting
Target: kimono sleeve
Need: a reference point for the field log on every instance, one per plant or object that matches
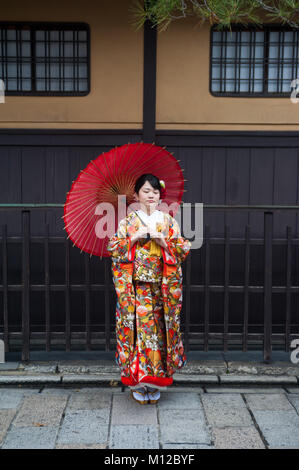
(178, 246)
(119, 245)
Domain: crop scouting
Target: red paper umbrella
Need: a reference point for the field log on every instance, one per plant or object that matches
(112, 174)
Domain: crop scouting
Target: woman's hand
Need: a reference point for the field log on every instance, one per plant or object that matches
(141, 233)
(159, 239)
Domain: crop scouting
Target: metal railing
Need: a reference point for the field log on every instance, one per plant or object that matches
(91, 335)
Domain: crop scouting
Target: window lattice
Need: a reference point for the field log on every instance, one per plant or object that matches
(253, 61)
(44, 59)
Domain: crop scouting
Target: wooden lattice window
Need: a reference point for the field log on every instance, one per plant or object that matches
(252, 61)
(45, 58)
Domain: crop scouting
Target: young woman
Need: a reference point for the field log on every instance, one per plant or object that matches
(147, 251)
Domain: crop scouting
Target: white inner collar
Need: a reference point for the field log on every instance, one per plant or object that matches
(156, 216)
(155, 213)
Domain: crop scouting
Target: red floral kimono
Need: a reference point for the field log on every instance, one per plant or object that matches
(149, 299)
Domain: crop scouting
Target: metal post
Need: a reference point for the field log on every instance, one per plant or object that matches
(268, 237)
(26, 285)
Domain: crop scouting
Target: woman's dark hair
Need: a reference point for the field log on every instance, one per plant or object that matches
(152, 179)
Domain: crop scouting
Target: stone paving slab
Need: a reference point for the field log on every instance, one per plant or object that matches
(194, 378)
(279, 428)
(59, 391)
(283, 437)
(133, 436)
(90, 378)
(28, 379)
(187, 446)
(254, 390)
(11, 398)
(69, 390)
(282, 379)
(274, 401)
(6, 417)
(295, 401)
(90, 400)
(292, 389)
(204, 367)
(39, 368)
(275, 368)
(84, 427)
(179, 400)
(127, 412)
(267, 419)
(100, 368)
(245, 437)
(30, 437)
(183, 426)
(40, 410)
(226, 410)
(80, 446)
(184, 388)
(283, 447)
(111, 389)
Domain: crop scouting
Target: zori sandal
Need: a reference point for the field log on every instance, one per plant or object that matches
(153, 395)
(140, 395)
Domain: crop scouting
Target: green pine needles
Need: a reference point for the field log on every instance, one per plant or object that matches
(221, 13)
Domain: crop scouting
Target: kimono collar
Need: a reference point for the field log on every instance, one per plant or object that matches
(156, 215)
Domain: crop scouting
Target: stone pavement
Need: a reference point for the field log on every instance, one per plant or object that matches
(211, 417)
(217, 401)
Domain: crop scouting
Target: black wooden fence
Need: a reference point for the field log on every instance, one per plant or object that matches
(198, 333)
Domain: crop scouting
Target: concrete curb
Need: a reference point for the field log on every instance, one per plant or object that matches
(213, 368)
(192, 368)
(113, 380)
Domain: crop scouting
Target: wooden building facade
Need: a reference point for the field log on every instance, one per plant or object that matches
(80, 80)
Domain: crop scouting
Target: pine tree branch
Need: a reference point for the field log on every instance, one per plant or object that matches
(221, 12)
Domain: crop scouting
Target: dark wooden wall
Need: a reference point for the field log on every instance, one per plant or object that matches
(220, 168)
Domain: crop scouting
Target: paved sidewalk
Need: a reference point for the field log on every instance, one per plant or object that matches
(217, 401)
(184, 418)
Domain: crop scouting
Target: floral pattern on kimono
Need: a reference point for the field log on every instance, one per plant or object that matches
(149, 347)
(148, 268)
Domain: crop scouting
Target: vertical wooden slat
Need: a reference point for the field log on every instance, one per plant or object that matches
(107, 305)
(246, 290)
(47, 290)
(25, 285)
(207, 290)
(5, 287)
(87, 301)
(188, 301)
(226, 283)
(67, 297)
(288, 288)
(268, 237)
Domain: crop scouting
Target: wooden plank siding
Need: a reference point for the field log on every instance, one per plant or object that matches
(220, 168)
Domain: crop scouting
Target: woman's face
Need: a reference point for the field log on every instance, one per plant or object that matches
(148, 197)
